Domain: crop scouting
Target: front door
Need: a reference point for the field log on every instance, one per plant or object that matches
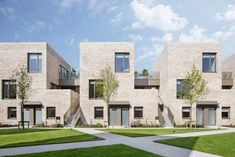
(119, 116)
(211, 116)
(206, 116)
(199, 116)
(33, 115)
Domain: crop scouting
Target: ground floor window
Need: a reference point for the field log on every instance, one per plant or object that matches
(185, 112)
(99, 112)
(11, 112)
(138, 112)
(50, 112)
(225, 112)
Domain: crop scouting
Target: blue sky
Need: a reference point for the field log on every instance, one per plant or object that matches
(148, 23)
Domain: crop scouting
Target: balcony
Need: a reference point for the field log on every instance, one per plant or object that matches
(69, 82)
(143, 81)
(227, 80)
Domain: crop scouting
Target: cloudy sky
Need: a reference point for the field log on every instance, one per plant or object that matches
(148, 23)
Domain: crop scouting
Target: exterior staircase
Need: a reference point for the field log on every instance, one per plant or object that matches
(168, 123)
(72, 120)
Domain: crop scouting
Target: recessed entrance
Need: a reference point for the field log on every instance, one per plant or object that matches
(206, 115)
(33, 115)
(119, 116)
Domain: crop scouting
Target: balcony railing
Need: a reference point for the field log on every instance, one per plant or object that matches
(69, 82)
(227, 79)
(147, 82)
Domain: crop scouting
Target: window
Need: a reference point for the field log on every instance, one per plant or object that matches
(64, 73)
(8, 89)
(179, 92)
(209, 62)
(138, 112)
(11, 112)
(95, 89)
(99, 112)
(50, 112)
(34, 62)
(186, 112)
(225, 112)
(122, 62)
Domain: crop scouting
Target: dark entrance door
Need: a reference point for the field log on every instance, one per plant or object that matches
(206, 115)
(119, 116)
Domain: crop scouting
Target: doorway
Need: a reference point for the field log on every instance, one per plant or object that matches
(206, 116)
(119, 116)
(33, 115)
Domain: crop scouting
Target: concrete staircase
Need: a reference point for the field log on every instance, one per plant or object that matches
(167, 120)
(73, 119)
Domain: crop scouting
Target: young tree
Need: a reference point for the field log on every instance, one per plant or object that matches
(193, 88)
(144, 72)
(23, 85)
(109, 86)
(73, 73)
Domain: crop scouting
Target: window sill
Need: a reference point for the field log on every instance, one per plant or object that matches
(226, 118)
(51, 118)
(9, 99)
(99, 118)
(12, 118)
(185, 118)
(95, 98)
(138, 118)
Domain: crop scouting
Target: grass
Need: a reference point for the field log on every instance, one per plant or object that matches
(29, 137)
(221, 144)
(152, 132)
(117, 150)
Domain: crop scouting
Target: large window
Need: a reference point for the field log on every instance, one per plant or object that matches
(95, 89)
(209, 62)
(138, 112)
(179, 92)
(34, 62)
(8, 89)
(51, 112)
(99, 112)
(225, 112)
(121, 62)
(64, 73)
(11, 112)
(185, 112)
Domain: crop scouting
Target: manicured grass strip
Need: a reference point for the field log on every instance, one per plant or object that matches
(117, 150)
(221, 144)
(29, 137)
(152, 132)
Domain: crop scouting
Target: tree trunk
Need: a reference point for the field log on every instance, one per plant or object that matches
(191, 109)
(22, 115)
(107, 115)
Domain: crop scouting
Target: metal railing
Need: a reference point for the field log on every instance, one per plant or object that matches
(227, 79)
(147, 82)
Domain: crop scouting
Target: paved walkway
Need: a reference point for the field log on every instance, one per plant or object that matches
(143, 143)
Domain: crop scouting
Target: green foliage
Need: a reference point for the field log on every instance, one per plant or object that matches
(24, 81)
(144, 72)
(110, 83)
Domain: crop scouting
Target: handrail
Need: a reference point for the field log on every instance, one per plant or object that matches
(171, 116)
(160, 116)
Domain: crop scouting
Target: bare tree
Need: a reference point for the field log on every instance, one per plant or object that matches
(23, 85)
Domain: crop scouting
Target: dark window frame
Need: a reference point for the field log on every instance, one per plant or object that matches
(51, 117)
(209, 53)
(115, 64)
(139, 115)
(9, 90)
(183, 113)
(95, 96)
(228, 113)
(96, 114)
(63, 75)
(9, 113)
(177, 95)
(38, 54)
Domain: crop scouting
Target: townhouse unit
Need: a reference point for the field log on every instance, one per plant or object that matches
(56, 97)
(51, 100)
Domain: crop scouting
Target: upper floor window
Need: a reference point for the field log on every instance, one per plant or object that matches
(209, 62)
(34, 62)
(8, 89)
(64, 73)
(179, 92)
(122, 62)
(95, 89)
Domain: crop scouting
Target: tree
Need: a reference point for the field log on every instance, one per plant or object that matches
(144, 72)
(109, 86)
(193, 88)
(23, 86)
(73, 73)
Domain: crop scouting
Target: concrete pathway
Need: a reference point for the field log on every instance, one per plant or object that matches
(143, 143)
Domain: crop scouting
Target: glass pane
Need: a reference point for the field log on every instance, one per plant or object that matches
(51, 112)
(126, 64)
(213, 65)
(206, 64)
(118, 64)
(91, 89)
(12, 89)
(6, 89)
(211, 116)
(35, 63)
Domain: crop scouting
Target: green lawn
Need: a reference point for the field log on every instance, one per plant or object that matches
(28, 137)
(222, 144)
(152, 132)
(117, 150)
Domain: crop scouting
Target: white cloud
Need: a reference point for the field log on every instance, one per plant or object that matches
(228, 15)
(135, 37)
(8, 12)
(166, 38)
(200, 34)
(148, 14)
(66, 4)
(117, 19)
(35, 27)
(150, 52)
